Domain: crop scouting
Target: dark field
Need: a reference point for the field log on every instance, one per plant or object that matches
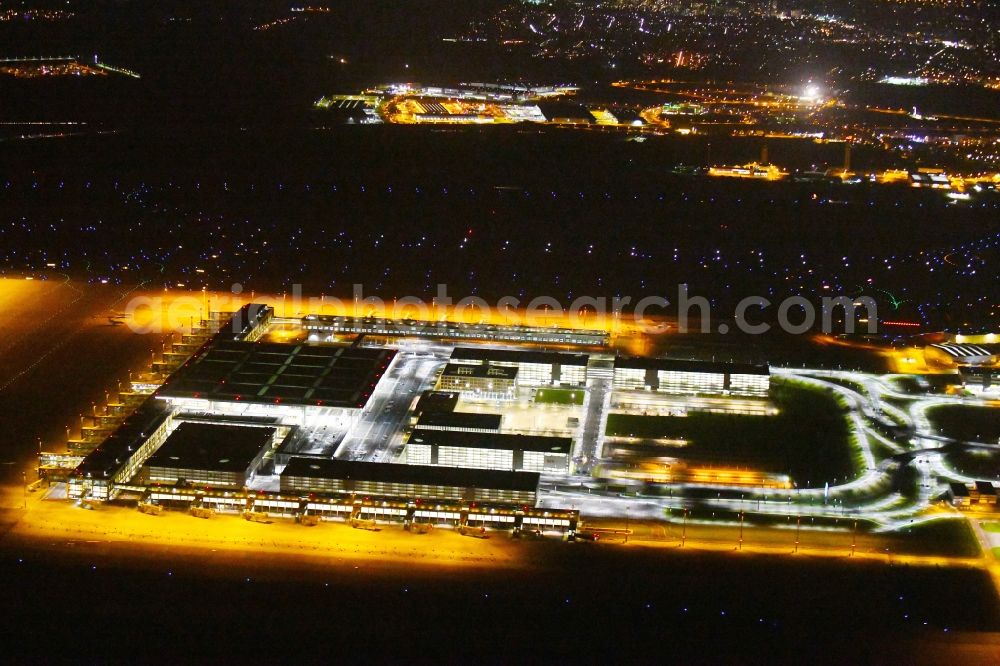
(588, 603)
(504, 209)
(975, 462)
(808, 439)
(967, 423)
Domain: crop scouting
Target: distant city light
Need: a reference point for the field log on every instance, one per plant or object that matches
(904, 80)
(811, 92)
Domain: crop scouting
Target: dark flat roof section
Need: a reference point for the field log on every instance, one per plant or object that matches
(223, 448)
(491, 440)
(437, 401)
(516, 356)
(460, 420)
(296, 374)
(105, 461)
(678, 365)
(480, 371)
(412, 474)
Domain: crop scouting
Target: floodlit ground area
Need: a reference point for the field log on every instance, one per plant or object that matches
(992, 531)
(108, 599)
(59, 353)
(96, 571)
(528, 417)
(112, 530)
(118, 529)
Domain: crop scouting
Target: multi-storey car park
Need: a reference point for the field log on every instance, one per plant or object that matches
(533, 368)
(500, 451)
(489, 381)
(691, 377)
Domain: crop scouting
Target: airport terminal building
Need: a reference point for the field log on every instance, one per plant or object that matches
(326, 328)
(494, 382)
(497, 451)
(390, 480)
(691, 377)
(237, 408)
(210, 455)
(298, 383)
(231, 378)
(534, 368)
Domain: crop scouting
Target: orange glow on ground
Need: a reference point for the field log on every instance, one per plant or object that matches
(61, 523)
(173, 309)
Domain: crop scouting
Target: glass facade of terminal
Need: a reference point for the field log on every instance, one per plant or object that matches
(750, 385)
(486, 458)
(714, 379)
(539, 374)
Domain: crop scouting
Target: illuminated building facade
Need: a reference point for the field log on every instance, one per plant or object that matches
(486, 381)
(389, 480)
(691, 377)
(955, 354)
(499, 451)
(533, 368)
(460, 421)
(204, 454)
(325, 328)
(120, 457)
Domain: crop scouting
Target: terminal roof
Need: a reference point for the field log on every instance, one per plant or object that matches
(411, 474)
(296, 374)
(491, 440)
(480, 371)
(516, 356)
(114, 452)
(222, 448)
(678, 365)
(460, 420)
(437, 401)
